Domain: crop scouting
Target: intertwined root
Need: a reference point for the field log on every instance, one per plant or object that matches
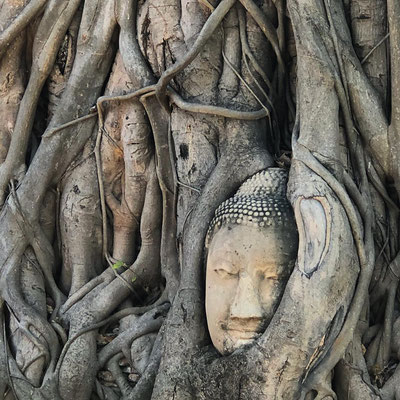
(114, 215)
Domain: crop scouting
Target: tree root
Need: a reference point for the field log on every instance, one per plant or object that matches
(132, 311)
(363, 61)
(208, 29)
(248, 53)
(134, 62)
(150, 310)
(23, 19)
(242, 80)
(97, 152)
(28, 317)
(164, 169)
(14, 164)
(120, 379)
(42, 248)
(105, 278)
(53, 131)
(144, 388)
(391, 390)
(366, 257)
(215, 110)
(147, 323)
(267, 28)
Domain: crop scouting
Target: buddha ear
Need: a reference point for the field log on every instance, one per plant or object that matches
(313, 220)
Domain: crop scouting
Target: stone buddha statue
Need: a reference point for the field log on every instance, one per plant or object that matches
(252, 245)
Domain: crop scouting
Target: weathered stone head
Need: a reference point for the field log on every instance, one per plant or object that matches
(252, 246)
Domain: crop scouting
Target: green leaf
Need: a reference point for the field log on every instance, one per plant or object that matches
(134, 279)
(118, 265)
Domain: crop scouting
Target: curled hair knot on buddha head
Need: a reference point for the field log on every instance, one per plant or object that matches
(260, 201)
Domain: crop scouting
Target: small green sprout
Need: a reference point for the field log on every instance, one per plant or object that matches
(118, 265)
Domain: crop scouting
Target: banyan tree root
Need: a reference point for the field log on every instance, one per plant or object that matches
(29, 358)
(127, 165)
(57, 18)
(156, 176)
(12, 74)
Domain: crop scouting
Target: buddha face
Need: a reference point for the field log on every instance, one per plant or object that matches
(247, 270)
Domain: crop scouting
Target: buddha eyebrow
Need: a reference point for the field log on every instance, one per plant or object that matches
(279, 269)
(225, 265)
(227, 255)
(266, 268)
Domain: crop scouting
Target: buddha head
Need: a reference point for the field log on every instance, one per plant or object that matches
(251, 249)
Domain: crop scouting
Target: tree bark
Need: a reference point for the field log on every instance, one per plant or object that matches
(125, 125)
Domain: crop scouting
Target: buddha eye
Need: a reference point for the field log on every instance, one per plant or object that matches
(267, 277)
(223, 273)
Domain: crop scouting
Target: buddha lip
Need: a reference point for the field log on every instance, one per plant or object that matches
(241, 329)
(246, 327)
(254, 330)
(244, 334)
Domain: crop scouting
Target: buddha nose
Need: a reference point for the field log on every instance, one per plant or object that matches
(246, 303)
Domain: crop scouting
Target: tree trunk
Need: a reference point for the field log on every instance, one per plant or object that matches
(126, 124)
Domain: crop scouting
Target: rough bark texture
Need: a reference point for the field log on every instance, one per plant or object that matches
(125, 124)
